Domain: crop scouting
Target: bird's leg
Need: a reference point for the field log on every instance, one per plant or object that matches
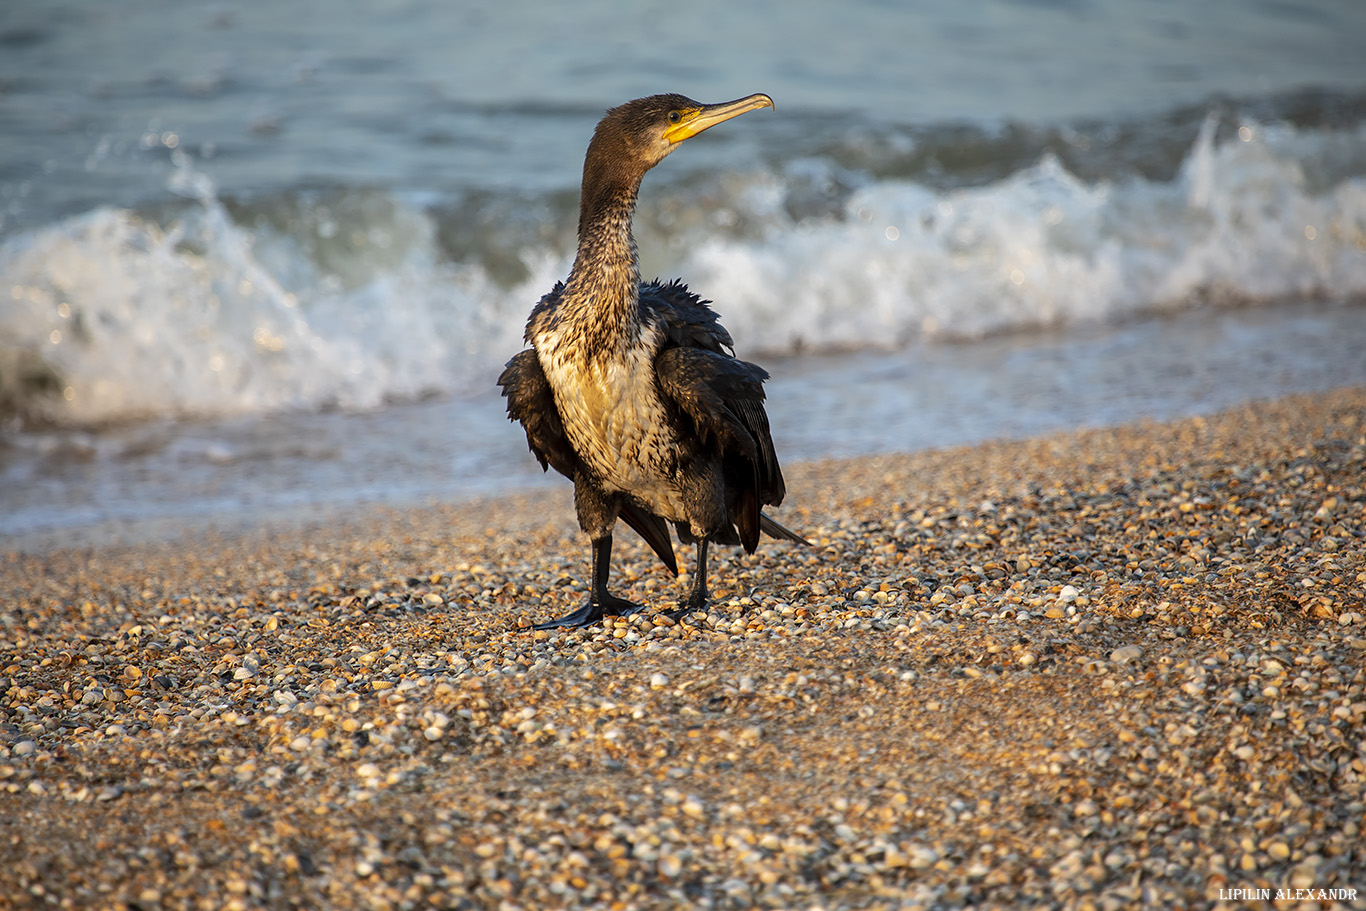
(697, 595)
(601, 603)
(609, 604)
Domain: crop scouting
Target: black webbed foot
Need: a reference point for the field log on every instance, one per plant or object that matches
(687, 607)
(592, 612)
(697, 595)
(601, 603)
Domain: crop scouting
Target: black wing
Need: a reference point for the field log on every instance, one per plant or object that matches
(687, 320)
(530, 401)
(724, 398)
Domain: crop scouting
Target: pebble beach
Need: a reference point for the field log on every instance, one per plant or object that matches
(1114, 668)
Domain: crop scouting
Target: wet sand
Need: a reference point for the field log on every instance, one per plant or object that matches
(1111, 669)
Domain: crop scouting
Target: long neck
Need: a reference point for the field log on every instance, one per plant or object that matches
(604, 285)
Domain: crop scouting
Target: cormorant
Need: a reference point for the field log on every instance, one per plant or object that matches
(631, 389)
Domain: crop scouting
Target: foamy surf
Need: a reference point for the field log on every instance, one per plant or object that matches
(1240, 223)
(351, 299)
(115, 316)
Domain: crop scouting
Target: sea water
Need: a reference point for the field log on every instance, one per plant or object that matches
(262, 258)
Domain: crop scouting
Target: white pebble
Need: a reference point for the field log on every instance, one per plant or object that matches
(670, 865)
(659, 681)
(1126, 654)
(920, 857)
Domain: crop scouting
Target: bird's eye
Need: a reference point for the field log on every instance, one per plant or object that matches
(675, 116)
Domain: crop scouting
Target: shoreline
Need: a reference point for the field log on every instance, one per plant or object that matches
(161, 479)
(1104, 668)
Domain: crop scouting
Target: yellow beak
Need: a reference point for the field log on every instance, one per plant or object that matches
(709, 115)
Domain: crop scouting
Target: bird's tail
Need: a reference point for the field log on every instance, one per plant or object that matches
(775, 530)
(654, 530)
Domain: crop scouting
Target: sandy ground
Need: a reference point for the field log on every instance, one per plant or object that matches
(1112, 669)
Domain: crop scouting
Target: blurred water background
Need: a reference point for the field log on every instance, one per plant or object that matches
(265, 259)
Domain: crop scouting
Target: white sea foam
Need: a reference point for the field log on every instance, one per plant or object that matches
(114, 315)
(205, 316)
(1241, 222)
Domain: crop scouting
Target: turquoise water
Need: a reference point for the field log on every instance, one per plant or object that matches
(264, 257)
(436, 96)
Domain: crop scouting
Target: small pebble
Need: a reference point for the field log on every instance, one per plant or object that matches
(359, 713)
(1126, 654)
(919, 857)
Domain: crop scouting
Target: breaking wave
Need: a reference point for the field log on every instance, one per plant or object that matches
(352, 298)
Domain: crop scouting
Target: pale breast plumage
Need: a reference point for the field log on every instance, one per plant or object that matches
(614, 418)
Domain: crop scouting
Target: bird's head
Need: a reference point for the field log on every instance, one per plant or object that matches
(637, 135)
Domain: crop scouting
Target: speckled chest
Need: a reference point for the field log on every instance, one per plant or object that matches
(612, 414)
